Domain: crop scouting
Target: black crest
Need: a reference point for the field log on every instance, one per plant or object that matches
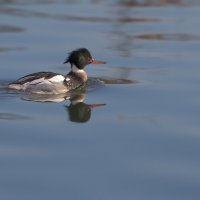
(79, 57)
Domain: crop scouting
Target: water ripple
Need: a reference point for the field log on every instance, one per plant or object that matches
(10, 29)
(176, 37)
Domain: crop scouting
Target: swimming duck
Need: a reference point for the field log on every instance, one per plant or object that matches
(54, 83)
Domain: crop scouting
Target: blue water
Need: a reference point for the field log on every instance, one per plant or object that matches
(143, 142)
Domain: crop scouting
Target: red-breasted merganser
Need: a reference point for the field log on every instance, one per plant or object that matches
(54, 83)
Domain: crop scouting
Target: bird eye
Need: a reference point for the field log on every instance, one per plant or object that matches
(89, 59)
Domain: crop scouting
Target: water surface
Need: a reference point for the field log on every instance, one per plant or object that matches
(134, 133)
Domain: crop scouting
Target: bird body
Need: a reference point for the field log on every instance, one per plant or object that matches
(54, 83)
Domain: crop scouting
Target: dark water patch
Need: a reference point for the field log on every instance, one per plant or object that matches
(118, 81)
(10, 29)
(135, 20)
(13, 116)
(148, 3)
(108, 80)
(176, 37)
(7, 49)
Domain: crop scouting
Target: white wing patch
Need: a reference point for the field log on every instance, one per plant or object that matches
(57, 79)
(41, 85)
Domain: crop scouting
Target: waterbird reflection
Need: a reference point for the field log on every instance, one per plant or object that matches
(77, 110)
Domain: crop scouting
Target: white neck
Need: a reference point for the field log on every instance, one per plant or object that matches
(75, 69)
(80, 72)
